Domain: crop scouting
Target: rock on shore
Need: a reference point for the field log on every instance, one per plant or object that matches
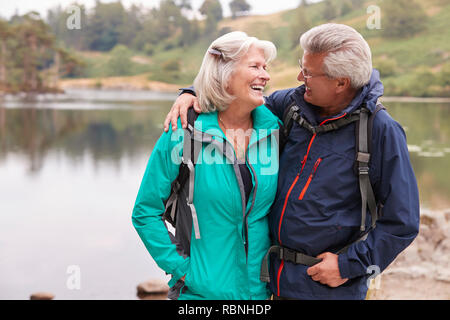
(42, 296)
(153, 289)
(421, 271)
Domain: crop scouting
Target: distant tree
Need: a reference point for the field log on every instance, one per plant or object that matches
(386, 66)
(304, 3)
(184, 4)
(146, 39)
(131, 26)
(104, 24)
(356, 4)
(212, 9)
(57, 18)
(190, 32)
(301, 24)
(346, 7)
(403, 18)
(5, 34)
(330, 11)
(444, 75)
(238, 6)
(66, 64)
(34, 56)
(109, 24)
(120, 62)
(35, 38)
(168, 19)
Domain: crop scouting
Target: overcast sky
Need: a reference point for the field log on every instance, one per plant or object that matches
(9, 7)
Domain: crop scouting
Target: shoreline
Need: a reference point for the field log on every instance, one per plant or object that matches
(415, 99)
(141, 83)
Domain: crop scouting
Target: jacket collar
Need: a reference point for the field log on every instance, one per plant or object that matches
(264, 123)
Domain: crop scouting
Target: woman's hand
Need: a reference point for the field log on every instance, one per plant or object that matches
(180, 109)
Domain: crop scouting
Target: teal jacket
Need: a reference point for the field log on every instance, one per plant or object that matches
(221, 265)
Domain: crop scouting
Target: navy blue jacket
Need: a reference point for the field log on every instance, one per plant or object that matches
(318, 204)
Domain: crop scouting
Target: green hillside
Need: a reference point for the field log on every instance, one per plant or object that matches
(411, 65)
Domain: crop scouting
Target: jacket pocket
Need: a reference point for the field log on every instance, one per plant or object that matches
(311, 176)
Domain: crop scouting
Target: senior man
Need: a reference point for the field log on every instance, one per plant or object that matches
(322, 245)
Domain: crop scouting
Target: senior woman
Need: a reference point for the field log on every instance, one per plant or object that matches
(232, 194)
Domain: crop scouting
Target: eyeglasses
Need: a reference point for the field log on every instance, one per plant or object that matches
(308, 76)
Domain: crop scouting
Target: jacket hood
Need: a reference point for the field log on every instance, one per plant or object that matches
(368, 94)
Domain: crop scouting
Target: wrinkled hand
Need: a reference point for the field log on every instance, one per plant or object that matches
(327, 271)
(179, 109)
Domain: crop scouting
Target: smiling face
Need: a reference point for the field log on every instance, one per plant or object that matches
(249, 78)
(320, 89)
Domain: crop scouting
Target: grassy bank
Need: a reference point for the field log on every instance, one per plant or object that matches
(417, 66)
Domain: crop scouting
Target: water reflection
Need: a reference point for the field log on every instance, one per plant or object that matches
(107, 134)
(68, 181)
(427, 127)
(70, 168)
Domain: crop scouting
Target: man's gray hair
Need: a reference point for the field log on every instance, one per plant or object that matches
(219, 64)
(348, 54)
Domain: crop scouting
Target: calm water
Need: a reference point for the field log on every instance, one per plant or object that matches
(70, 169)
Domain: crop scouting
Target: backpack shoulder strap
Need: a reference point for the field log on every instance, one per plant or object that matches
(363, 145)
(362, 159)
(190, 154)
(288, 117)
(286, 126)
(186, 173)
(191, 150)
(363, 134)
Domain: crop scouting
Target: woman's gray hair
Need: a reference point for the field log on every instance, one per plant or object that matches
(349, 55)
(219, 64)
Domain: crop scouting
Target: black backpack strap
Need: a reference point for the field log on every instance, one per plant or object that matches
(285, 254)
(363, 133)
(286, 126)
(294, 115)
(191, 149)
(290, 113)
(363, 158)
(190, 155)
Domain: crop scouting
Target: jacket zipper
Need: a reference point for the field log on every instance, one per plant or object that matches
(246, 214)
(280, 269)
(311, 176)
(303, 162)
(245, 222)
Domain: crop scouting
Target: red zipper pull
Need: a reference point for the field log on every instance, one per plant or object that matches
(316, 165)
(302, 194)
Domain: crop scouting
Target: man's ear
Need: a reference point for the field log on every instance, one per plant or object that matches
(342, 84)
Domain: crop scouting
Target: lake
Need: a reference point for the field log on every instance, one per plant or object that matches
(70, 169)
